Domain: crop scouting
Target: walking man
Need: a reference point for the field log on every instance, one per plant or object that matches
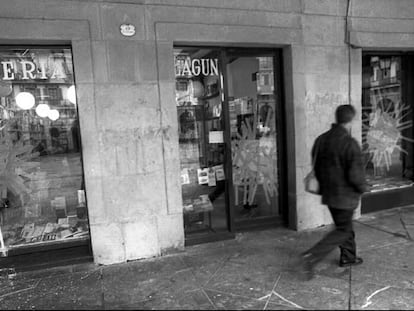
(340, 172)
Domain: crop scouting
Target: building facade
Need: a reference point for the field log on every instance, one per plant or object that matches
(191, 120)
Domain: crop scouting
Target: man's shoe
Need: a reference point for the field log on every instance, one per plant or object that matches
(350, 262)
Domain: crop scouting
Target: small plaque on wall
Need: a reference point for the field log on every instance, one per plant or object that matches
(127, 30)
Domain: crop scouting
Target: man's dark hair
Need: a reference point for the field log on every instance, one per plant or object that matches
(344, 114)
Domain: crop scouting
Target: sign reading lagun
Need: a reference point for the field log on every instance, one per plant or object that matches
(185, 66)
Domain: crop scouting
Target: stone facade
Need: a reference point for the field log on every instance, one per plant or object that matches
(126, 98)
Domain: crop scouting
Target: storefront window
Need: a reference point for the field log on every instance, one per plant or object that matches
(41, 176)
(388, 121)
(199, 96)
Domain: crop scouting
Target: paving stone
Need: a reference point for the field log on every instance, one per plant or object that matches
(268, 256)
(190, 301)
(7, 288)
(379, 274)
(145, 269)
(274, 306)
(307, 239)
(368, 296)
(329, 267)
(178, 284)
(140, 282)
(410, 231)
(70, 291)
(240, 279)
(368, 237)
(257, 270)
(389, 221)
(224, 301)
(321, 292)
(204, 267)
(408, 215)
(395, 256)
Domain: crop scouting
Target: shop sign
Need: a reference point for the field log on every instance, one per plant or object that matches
(34, 67)
(185, 66)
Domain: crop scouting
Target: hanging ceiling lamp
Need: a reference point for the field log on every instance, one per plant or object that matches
(25, 100)
(53, 114)
(42, 110)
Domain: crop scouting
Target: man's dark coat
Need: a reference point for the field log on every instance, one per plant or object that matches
(339, 168)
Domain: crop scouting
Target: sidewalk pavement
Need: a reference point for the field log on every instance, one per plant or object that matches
(255, 271)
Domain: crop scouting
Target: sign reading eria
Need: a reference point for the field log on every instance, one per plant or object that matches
(185, 67)
(36, 66)
(28, 70)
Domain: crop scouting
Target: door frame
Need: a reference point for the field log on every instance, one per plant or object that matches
(280, 119)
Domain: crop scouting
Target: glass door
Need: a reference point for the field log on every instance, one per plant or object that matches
(254, 105)
(387, 105)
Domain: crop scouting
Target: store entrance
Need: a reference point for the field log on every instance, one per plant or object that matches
(255, 127)
(230, 126)
(388, 133)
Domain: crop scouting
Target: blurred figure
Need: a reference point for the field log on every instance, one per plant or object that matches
(340, 172)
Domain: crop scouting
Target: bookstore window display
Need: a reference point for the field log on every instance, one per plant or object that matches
(41, 174)
(199, 97)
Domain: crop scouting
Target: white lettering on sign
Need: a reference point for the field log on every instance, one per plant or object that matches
(28, 72)
(27, 69)
(43, 71)
(7, 71)
(195, 67)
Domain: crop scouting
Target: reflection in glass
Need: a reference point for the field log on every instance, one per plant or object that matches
(387, 124)
(253, 133)
(41, 178)
(200, 125)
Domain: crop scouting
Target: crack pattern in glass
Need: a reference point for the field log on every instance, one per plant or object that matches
(383, 129)
(253, 164)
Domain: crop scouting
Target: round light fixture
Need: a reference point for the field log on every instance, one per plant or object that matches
(53, 114)
(25, 100)
(42, 110)
(71, 94)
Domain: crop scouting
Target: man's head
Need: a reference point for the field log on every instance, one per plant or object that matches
(344, 115)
